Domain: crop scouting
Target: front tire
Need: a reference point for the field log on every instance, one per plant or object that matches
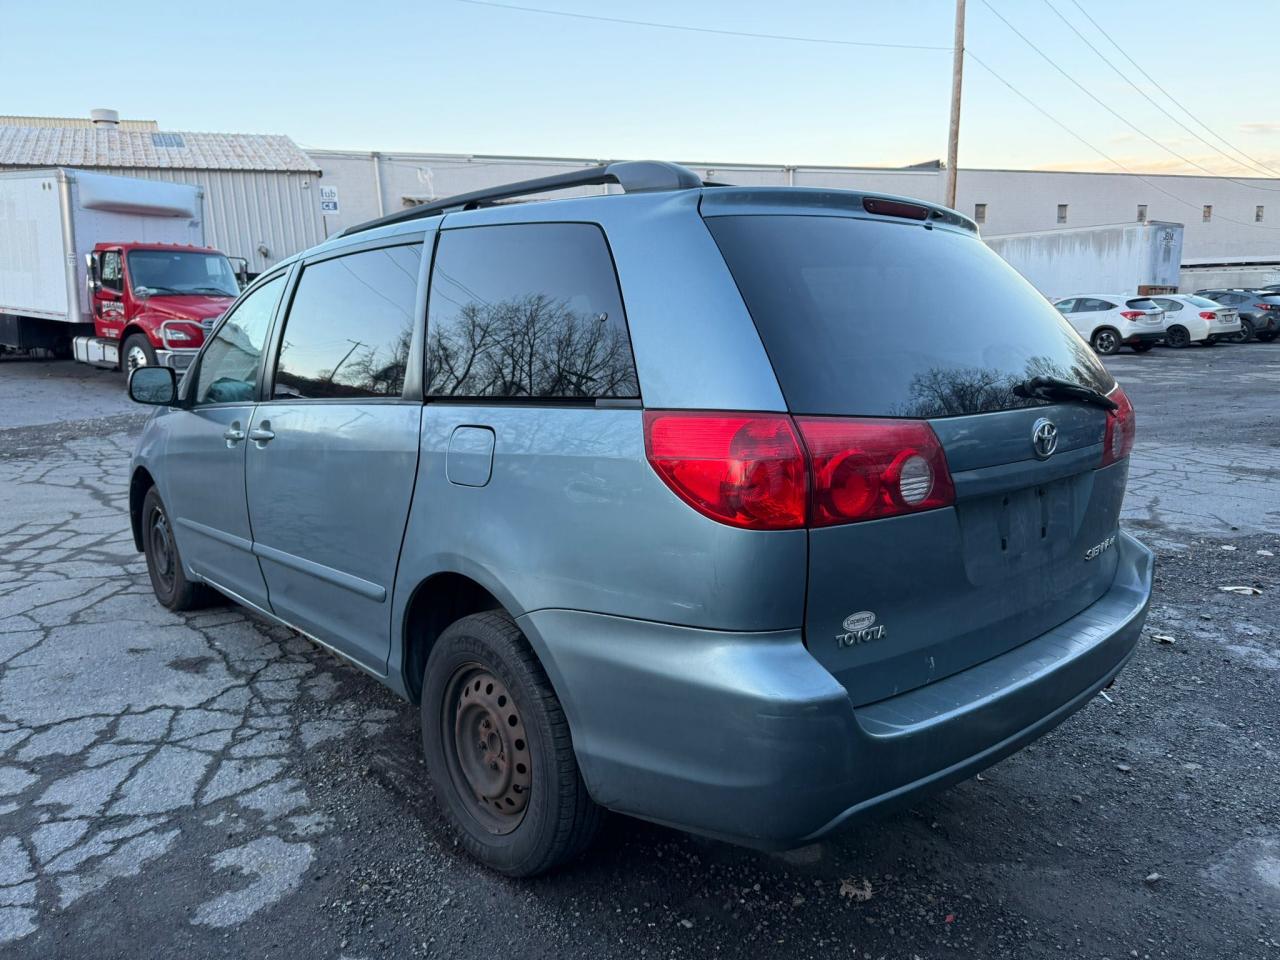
(1105, 341)
(136, 352)
(164, 564)
(499, 752)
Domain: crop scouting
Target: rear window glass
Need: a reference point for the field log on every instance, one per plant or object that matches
(880, 319)
(1201, 302)
(1142, 303)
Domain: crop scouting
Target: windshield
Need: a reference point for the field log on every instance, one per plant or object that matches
(867, 318)
(181, 272)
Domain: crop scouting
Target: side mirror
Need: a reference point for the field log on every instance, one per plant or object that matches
(92, 275)
(157, 386)
(241, 267)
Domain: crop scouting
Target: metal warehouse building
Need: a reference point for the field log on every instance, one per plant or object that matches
(1229, 220)
(260, 194)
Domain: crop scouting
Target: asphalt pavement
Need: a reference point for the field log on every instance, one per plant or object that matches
(210, 785)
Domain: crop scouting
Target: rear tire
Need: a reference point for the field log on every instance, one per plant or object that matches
(1177, 337)
(164, 564)
(1246, 332)
(1266, 337)
(499, 751)
(1105, 341)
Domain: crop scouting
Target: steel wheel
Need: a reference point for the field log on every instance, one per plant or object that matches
(487, 749)
(163, 556)
(134, 358)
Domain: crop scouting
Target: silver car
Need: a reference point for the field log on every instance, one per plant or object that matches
(650, 506)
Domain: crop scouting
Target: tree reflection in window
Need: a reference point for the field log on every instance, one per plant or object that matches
(528, 310)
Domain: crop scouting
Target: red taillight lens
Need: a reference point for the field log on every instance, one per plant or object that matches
(743, 469)
(1267, 306)
(1132, 314)
(1208, 315)
(865, 469)
(1118, 440)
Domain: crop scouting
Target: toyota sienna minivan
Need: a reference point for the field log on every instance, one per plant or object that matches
(656, 502)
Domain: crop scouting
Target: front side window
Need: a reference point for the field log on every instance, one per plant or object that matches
(350, 327)
(111, 276)
(181, 273)
(527, 311)
(230, 363)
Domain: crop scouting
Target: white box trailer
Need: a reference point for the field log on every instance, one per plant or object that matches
(51, 219)
(1129, 258)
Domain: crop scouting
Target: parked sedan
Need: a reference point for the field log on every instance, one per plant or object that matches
(1107, 321)
(1192, 319)
(1259, 311)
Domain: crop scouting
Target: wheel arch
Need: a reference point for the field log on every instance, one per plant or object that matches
(139, 483)
(437, 601)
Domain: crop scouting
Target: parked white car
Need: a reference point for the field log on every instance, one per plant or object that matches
(1107, 321)
(1192, 319)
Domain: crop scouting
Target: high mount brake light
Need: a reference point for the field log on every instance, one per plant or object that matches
(1118, 440)
(753, 471)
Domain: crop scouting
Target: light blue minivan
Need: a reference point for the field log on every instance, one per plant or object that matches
(664, 501)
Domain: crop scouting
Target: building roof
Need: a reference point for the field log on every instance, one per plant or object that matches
(100, 146)
(15, 121)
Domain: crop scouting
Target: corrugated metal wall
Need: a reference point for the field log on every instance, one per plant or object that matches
(247, 208)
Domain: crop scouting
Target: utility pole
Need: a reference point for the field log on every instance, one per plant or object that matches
(957, 73)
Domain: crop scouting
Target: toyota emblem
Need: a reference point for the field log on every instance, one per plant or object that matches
(1044, 438)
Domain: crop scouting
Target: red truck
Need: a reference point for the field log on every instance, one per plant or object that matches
(112, 270)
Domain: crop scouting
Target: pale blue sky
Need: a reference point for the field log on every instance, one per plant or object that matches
(445, 75)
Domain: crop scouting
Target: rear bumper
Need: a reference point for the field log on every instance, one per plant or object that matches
(746, 737)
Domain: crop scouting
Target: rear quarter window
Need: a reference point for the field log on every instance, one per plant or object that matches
(868, 318)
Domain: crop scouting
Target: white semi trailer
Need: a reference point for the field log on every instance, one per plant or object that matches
(1136, 259)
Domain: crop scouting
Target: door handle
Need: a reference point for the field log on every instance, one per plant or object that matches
(262, 434)
(233, 435)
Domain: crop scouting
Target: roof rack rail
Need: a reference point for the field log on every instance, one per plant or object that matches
(634, 176)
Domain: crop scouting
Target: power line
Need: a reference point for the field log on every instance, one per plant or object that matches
(1128, 123)
(1170, 96)
(1098, 150)
(1150, 99)
(692, 29)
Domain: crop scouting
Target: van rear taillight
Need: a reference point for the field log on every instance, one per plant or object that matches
(1118, 440)
(743, 469)
(867, 469)
(754, 470)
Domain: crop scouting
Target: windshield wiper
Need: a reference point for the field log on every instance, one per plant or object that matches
(1052, 388)
(218, 290)
(160, 290)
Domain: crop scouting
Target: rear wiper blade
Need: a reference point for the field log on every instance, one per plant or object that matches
(1051, 388)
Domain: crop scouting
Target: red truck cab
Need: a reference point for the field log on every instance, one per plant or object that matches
(153, 303)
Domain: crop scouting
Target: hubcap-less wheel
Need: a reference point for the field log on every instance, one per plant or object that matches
(134, 358)
(162, 554)
(1177, 337)
(488, 750)
(1104, 341)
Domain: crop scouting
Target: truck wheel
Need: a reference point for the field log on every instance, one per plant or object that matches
(1106, 341)
(1177, 337)
(499, 752)
(137, 352)
(164, 564)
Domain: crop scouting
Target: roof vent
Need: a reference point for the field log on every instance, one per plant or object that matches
(103, 117)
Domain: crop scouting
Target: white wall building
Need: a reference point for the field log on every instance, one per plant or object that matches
(1227, 219)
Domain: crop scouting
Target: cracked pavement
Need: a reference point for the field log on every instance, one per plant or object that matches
(210, 784)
